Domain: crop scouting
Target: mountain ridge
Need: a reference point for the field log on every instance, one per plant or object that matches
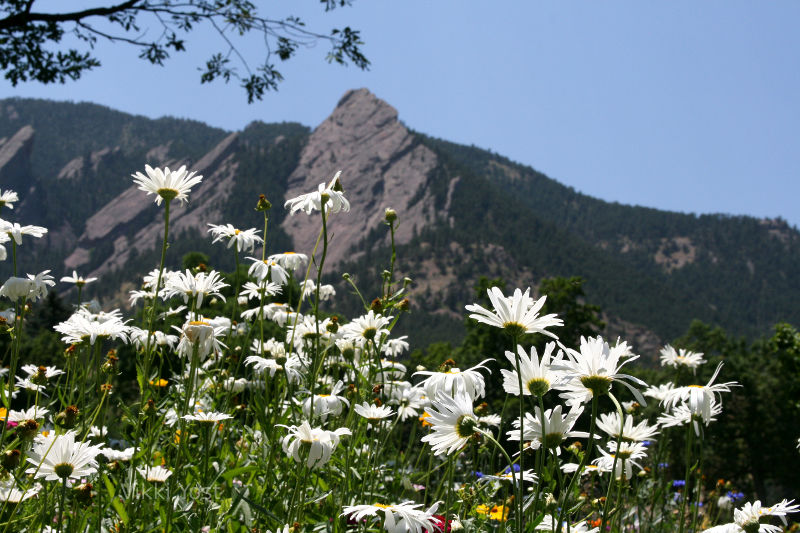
(463, 212)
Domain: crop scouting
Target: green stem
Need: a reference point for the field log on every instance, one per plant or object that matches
(518, 489)
(542, 455)
(565, 501)
(61, 505)
(698, 480)
(612, 478)
(151, 321)
(313, 384)
(686, 487)
(394, 257)
(236, 277)
(511, 467)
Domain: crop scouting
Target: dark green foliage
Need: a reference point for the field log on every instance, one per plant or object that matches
(481, 342)
(194, 259)
(643, 265)
(41, 345)
(753, 442)
(31, 46)
(565, 298)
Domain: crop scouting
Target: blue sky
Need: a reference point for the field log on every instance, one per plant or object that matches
(687, 106)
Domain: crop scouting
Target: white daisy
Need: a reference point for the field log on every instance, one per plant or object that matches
(331, 195)
(309, 288)
(452, 421)
(245, 240)
(626, 458)
(746, 519)
(557, 427)
(369, 327)
(262, 364)
(202, 334)
(39, 283)
(681, 357)
(325, 404)
(550, 523)
(79, 281)
(167, 184)
(15, 231)
(537, 376)
(516, 314)
(569, 468)
(41, 373)
(659, 392)
(155, 474)
(138, 337)
(267, 269)
(405, 517)
(253, 291)
(86, 326)
(316, 445)
(451, 380)
(137, 295)
(59, 457)
(395, 347)
(372, 412)
(209, 417)
(700, 398)
(11, 494)
(16, 288)
(290, 260)
(32, 413)
(592, 370)
(7, 198)
(409, 400)
(682, 414)
(118, 455)
(609, 423)
(197, 285)
(527, 475)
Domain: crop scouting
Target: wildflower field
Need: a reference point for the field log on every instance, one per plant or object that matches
(256, 408)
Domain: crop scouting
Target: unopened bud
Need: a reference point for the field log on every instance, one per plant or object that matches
(83, 493)
(11, 459)
(70, 351)
(27, 429)
(68, 417)
(40, 377)
(263, 204)
(351, 392)
(390, 215)
(150, 408)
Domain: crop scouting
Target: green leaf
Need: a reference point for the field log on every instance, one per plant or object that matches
(115, 503)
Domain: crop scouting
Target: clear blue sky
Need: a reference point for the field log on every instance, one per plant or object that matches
(689, 106)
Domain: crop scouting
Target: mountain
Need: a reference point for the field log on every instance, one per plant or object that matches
(463, 212)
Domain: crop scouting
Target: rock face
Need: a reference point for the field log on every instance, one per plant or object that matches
(132, 221)
(383, 166)
(15, 156)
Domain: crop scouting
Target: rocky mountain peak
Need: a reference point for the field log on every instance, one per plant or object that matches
(383, 165)
(15, 170)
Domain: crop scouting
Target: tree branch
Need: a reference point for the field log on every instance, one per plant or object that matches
(21, 19)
